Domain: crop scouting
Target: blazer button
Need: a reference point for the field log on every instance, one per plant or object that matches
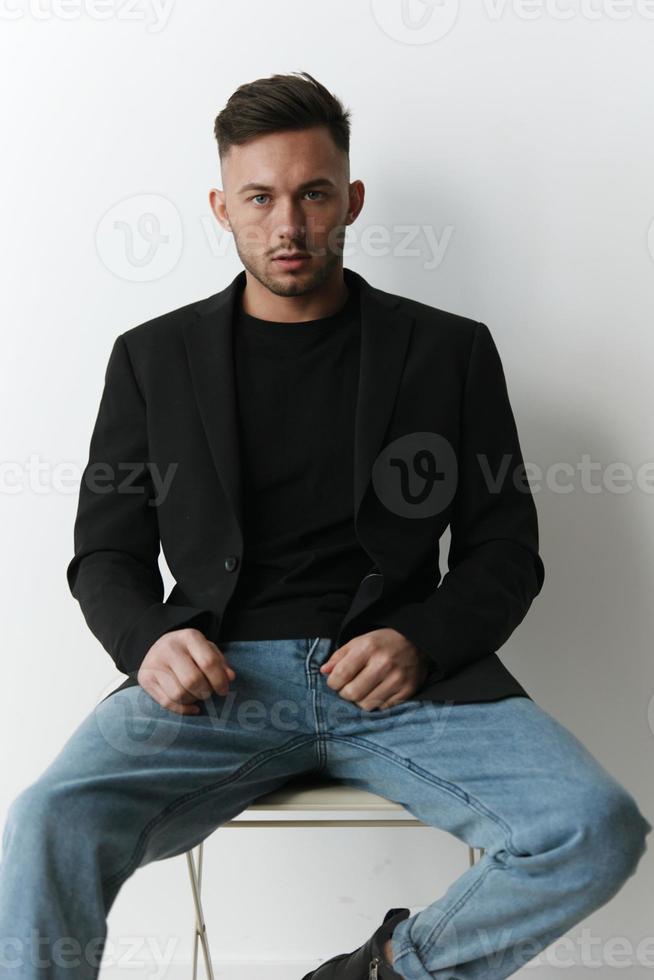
(231, 562)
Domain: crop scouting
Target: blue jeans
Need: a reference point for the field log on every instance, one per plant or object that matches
(136, 783)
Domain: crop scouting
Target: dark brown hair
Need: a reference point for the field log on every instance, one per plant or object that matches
(267, 105)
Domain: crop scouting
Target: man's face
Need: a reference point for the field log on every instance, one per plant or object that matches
(288, 192)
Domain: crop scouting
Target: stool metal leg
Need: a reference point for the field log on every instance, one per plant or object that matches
(195, 873)
(200, 933)
(471, 854)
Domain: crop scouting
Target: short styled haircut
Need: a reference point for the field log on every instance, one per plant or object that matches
(280, 102)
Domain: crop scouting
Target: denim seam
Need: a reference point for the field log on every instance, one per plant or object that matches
(453, 790)
(448, 787)
(437, 929)
(315, 700)
(176, 805)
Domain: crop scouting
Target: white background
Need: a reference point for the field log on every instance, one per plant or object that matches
(521, 137)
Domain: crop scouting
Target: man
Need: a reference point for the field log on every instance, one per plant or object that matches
(298, 442)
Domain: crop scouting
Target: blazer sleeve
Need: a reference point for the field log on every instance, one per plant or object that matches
(494, 569)
(114, 573)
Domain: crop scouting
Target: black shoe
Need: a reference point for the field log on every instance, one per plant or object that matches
(368, 961)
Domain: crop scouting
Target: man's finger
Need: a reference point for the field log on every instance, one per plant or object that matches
(211, 661)
(378, 696)
(165, 694)
(173, 688)
(190, 676)
(334, 658)
(179, 709)
(373, 671)
(347, 668)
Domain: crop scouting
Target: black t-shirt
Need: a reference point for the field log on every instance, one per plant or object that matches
(296, 396)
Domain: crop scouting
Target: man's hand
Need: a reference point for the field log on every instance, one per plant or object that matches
(181, 667)
(377, 669)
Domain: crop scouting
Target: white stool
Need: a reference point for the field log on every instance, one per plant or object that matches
(311, 792)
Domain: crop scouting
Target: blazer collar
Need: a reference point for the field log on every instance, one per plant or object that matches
(385, 333)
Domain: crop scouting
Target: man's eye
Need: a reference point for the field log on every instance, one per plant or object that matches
(320, 195)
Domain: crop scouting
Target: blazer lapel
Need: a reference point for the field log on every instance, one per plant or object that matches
(210, 352)
(385, 333)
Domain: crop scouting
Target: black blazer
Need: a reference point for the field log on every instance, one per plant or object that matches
(163, 467)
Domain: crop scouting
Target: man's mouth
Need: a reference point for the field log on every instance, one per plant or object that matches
(292, 260)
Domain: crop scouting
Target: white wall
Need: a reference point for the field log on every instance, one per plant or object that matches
(521, 138)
